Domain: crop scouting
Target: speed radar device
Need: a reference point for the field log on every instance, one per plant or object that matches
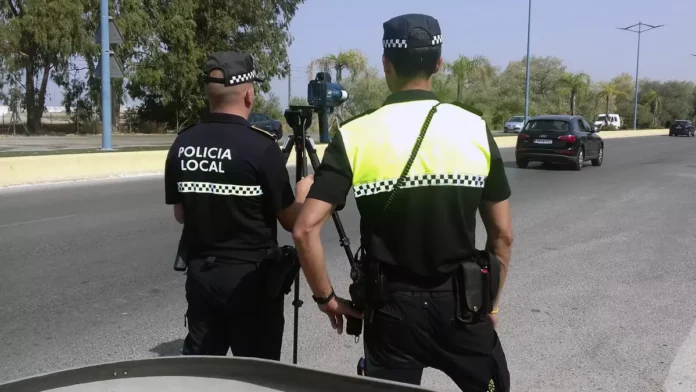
(322, 93)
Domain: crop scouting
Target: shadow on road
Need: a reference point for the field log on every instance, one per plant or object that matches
(168, 349)
(539, 166)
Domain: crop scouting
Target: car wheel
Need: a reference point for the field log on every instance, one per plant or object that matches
(600, 157)
(579, 160)
(522, 164)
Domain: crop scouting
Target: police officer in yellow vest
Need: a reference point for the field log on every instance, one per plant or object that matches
(432, 297)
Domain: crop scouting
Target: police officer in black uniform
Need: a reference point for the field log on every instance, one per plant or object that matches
(229, 186)
(420, 245)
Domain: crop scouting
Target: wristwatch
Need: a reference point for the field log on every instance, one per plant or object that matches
(324, 300)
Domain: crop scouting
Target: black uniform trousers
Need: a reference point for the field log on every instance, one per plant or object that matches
(416, 329)
(228, 309)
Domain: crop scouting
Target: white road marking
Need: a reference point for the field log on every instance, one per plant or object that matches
(36, 221)
(682, 373)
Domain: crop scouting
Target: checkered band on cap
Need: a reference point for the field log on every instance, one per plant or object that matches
(243, 77)
(220, 189)
(421, 180)
(395, 43)
(437, 40)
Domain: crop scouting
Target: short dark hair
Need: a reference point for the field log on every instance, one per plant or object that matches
(415, 63)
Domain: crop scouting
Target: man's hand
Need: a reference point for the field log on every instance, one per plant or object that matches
(494, 319)
(303, 187)
(336, 309)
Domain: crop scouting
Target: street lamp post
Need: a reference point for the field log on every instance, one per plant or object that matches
(639, 32)
(105, 74)
(526, 87)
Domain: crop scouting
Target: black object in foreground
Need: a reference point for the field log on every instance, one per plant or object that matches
(191, 373)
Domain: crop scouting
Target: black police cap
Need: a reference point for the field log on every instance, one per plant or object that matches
(237, 68)
(397, 32)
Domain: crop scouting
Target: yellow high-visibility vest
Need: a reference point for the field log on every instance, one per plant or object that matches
(454, 152)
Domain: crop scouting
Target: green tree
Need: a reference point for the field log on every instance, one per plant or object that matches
(269, 105)
(465, 70)
(575, 83)
(653, 99)
(607, 92)
(167, 68)
(38, 39)
(353, 61)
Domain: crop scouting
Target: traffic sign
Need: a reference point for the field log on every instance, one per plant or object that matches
(115, 68)
(115, 36)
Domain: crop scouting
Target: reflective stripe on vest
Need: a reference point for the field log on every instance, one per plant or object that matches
(454, 151)
(219, 189)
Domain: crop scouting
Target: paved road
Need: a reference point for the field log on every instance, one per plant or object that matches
(601, 294)
(50, 143)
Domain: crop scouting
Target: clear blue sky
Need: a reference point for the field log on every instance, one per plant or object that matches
(582, 33)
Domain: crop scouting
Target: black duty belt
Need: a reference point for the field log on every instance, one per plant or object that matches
(398, 281)
(238, 256)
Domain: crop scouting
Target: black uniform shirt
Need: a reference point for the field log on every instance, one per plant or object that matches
(232, 182)
(428, 230)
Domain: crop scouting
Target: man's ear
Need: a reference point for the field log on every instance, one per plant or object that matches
(438, 66)
(387, 66)
(249, 97)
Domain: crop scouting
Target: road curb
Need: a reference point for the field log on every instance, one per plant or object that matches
(70, 167)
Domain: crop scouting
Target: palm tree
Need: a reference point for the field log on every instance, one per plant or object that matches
(653, 99)
(464, 70)
(354, 61)
(608, 91)
(576, 83)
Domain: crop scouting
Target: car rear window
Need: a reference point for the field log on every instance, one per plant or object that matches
(516, 119)
(682, 122)
(547, 125)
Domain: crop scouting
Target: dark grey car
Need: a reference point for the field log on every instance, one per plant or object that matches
(559, 139)
(266, 123)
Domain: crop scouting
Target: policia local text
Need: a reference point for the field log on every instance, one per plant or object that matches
(215, 156)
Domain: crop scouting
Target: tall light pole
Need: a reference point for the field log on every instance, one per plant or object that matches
(105, 74)
(639, 32)
(526, 87)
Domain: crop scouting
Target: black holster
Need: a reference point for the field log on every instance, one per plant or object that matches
(476, 284)
(280, 268)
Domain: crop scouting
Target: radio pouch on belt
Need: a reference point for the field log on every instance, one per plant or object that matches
(281, 266)
(476, 285)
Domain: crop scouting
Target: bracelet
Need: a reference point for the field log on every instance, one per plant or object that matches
(495, 311)
(324, 300)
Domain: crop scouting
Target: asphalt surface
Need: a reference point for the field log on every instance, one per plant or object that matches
(600, 296)
(53, 143)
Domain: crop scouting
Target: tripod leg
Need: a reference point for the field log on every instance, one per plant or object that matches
(296, 303)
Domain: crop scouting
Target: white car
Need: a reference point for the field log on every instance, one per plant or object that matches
(514, 124)
(602, 120)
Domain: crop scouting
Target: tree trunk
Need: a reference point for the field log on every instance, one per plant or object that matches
(572, 103)
(35, 104)
(459, 90)
(606, 114)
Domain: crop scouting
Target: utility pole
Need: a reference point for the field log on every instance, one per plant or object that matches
(289, 84)
(108, 67)
(105, 75)
(640, 31)
(526, 88)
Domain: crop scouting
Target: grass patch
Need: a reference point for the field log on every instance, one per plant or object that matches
(11, 154)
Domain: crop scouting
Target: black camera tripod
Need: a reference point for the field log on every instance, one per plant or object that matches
(300, 118)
